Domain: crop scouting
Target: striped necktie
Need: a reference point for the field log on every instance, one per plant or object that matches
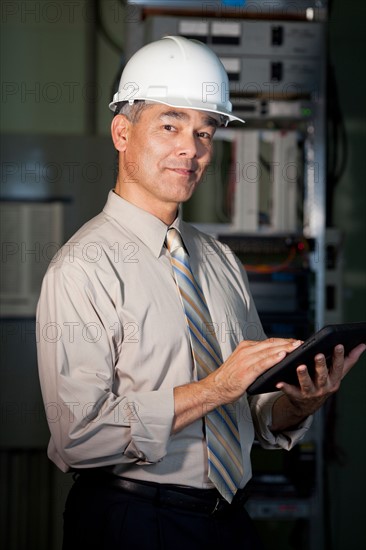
(223, 444)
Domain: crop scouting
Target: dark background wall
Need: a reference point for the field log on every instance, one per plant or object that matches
(348, 480)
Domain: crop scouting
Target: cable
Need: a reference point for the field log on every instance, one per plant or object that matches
(337, 142)
(264, 268)
(101, 27)
(104, 31)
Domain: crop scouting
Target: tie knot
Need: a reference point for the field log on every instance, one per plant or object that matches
(173, 240)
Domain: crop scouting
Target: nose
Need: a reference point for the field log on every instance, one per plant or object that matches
(188, 145)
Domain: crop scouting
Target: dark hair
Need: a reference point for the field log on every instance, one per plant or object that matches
(131, 111)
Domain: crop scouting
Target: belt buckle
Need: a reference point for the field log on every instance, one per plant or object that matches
(220, 502)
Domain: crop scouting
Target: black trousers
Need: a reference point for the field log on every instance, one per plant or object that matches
(107, 518)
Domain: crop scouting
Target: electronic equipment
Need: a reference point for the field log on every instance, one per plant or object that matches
(349, 335)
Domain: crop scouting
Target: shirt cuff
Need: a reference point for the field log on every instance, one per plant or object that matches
(261, 407)
(151, 417)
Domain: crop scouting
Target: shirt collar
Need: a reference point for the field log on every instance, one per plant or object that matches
(147, 228)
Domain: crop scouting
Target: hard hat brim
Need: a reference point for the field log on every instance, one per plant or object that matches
(180, 104)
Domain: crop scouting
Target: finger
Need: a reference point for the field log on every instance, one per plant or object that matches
(292, 391)
(252, 349)
(261, 360)
(274, 355)
(305, 381)
(264, 360)
(352, 358)
(337, 367)
(306, 385)
(321, 373)
(277, 352)
(271, 342)
(286, 347)
(356, 352)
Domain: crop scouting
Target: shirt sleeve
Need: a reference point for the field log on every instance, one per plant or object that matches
(92, 423)
(261, 409)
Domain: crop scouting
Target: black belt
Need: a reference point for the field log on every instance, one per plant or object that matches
(204, 501)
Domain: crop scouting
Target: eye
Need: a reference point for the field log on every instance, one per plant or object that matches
(169, 127)
(205, 135)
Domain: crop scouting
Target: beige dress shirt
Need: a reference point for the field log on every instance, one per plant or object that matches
(113, 343)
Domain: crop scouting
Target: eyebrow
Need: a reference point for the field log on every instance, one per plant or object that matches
(208, 120)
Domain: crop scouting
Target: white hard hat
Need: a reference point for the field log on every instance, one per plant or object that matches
(177, 72)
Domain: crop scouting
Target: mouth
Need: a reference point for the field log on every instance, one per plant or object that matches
(183, 171)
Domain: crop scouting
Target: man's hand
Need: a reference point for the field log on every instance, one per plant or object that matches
(230, 381)
(300, 402)
(248, 361)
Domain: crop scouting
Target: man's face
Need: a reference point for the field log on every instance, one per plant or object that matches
(165, 155)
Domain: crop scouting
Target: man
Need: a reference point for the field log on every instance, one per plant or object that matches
(153, 340)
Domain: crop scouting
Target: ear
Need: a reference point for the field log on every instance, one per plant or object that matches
(120, 131)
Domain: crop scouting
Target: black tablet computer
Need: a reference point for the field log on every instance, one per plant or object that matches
(324, 341)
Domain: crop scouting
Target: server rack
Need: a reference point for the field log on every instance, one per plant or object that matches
(276, 65)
